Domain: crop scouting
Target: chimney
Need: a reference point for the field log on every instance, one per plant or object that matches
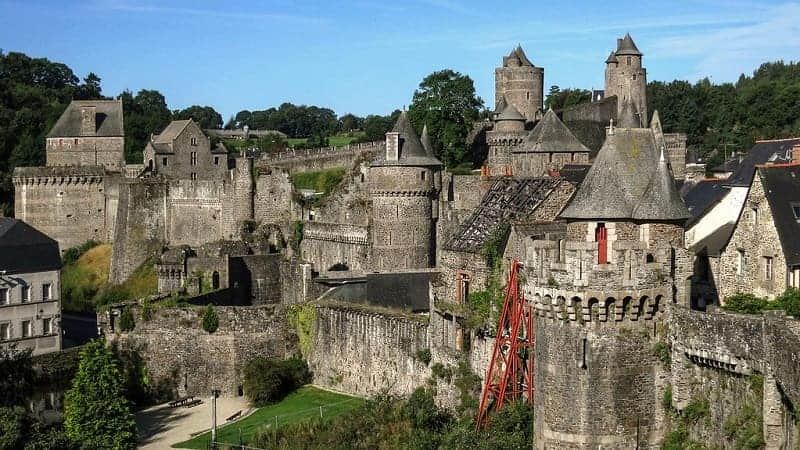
(88, 121)
(796, 154)
(392, 146)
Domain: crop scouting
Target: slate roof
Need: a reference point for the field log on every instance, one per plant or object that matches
(519, 55)
(715, 241)
(626, 46)
(412, 152)
(108, 116)
(782, 189)
(509, 199)
(24, 249)
(703, 196)
(627, 181)
(550, 135)
(775, 151)
(501, 105)
(628, 116)
(172, 131)
(510, 113)
(574, 173)
(611, 58)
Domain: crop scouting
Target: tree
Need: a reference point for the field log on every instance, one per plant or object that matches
(16, 376)
(210, 319)
(558, 99)
(205, 116)
(126, 320)
(96, 412)
(146, 113)
(446, 102)
(350, 122)
(90, 89)
(375, 127)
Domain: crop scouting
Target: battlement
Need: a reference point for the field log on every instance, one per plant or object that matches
(349, 234)
(58, 175)
(597, 306)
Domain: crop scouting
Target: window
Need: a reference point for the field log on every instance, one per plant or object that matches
(796, 211)
(5, 331)
(164, 161)
(27, 328)
(26, 294)
(47, 291)
(634, 77)
(216, 160)
(193, 176)
(740, 262)
(47, 326)
(4, 299)
(193, 158)
(601, 237)
(768, 268)
(422, 175)
(628, 60)
(754, 215)
(194, 140)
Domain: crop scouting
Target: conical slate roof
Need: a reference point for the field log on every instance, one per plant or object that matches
(550, 135)
(626, 182)
(611, 58)
(412, 152)
(626, 46)
(426, 141)
(661, 200)
(628, 116)
(519, 55)
(501, 105)
(510, 113)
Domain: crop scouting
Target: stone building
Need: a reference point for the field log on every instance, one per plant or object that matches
(519, 83)
(600, 296)
(182, 151)
(404, 185)
(30, 283)
(762, 256)
(88, 133)
(626, 78)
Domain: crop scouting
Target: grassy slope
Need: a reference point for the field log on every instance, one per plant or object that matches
(319, 181)
(84, 284)
(334, 141)
(299, 406)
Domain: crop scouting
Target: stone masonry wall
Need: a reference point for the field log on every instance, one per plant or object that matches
(183, 358)
(364, 353)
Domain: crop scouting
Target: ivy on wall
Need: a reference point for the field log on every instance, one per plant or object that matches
(301, 318)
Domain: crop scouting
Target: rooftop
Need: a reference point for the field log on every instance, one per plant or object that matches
(550, 135)
(24, 249)
(108, 119)
(412, 152)
(782, 189)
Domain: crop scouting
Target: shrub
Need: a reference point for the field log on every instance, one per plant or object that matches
(789, 301)
(662, 351)
(697, 409)
(424, 355)
(126, 321)
(745, 304)
(210, 319)
(72, 254)
(268, 380)
(146, 311)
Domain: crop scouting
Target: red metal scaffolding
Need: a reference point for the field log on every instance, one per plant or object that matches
(510, 374)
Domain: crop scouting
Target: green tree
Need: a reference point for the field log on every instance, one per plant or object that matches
(205, 116)
(146, 113)
(96, 413)
(126, 320)
(558, 99)
(210, 319)
(447, 103)
(375, 127)
(16, 376)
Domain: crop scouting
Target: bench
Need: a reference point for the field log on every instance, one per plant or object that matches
(181, 401)
(194, 402)
(234, 416)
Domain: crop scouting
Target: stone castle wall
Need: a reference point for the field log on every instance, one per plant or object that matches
(183, 359)
(320, 158)
(106, 152)
(365, 353)
(328, 244)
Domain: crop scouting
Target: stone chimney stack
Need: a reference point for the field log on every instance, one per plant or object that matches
(88, 121)
(796, 154)
(392, 146)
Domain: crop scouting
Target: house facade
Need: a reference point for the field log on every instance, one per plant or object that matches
(30, 307)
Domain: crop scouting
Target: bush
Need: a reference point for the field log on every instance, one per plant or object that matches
(210, 319)
(424, 355)
(745, 304)
(72, 254)
(268, 380)
(126, 321)
(146, 311)
(789, 301)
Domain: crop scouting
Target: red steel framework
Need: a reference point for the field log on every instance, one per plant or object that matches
(510, 374)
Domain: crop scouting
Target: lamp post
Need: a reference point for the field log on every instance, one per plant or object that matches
(214, 395)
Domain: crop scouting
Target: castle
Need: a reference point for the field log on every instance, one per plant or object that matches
(585, 198)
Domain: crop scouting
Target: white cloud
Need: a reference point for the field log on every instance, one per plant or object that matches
(139, 7)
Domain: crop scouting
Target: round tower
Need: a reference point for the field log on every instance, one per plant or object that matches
(626, 78)
(508, 132)
(403, 188)
(601, 289)
(520, 83)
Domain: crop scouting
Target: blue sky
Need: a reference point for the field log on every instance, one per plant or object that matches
(365, 56)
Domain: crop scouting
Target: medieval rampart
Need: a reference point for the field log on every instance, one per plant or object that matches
(320, 158)
(183, 359)
(364, 353)
(328, 245)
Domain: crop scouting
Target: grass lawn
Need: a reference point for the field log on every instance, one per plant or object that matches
(338, 140)
(299, 406)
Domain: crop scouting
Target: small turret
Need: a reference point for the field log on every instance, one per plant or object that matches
(520, 83)
(626, 78)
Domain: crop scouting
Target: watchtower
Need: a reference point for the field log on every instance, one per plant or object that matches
(600, 294)
(404, 184)
(520, 83)
(627, 78)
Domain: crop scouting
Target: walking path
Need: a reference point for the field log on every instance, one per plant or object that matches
(161, 426)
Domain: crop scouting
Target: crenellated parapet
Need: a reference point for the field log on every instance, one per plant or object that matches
(58, 175)
(350, 234)
(605, 307)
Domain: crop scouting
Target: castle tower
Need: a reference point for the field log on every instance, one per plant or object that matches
(520, 83)
(508, 132)
(627, 78)
(239, 196)
(600, 295)
(404, 183)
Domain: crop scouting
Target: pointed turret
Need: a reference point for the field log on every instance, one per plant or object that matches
(626, 47)
(404, 148)
(628, 116)
(612, 58)
(550, 135)
(501, 105)
(661, 200)
(517, 57)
